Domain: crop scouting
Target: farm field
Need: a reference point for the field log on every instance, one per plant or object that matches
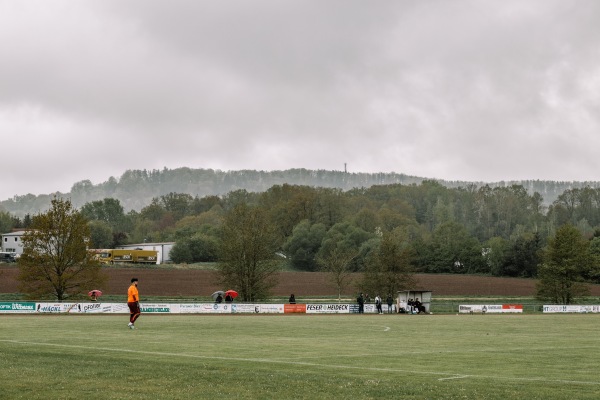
(198, 283)
(300, 357)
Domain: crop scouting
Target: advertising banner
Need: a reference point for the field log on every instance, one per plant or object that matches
(218, 308)
(294, 308)
(369, 308)
(245, 308)
(183, 308)
(163, 308)
(56, 308)
(329, 308)
(115, 308)
(269, 308)
(558, 308)
(204, 308)
(100, 308)
(490, 308)
(17, 307)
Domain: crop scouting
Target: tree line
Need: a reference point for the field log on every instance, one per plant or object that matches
(136, 188)
(387, 232)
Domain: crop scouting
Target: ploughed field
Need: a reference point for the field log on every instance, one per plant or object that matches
(194, 282)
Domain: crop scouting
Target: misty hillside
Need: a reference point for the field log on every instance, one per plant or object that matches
(136, 188)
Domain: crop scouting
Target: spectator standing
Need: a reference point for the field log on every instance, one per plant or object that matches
(361, 303)
(390, 303)
(378, 304)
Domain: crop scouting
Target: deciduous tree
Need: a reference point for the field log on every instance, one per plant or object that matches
(390, 266)
(247, 260)
(304, 244)
(337, 263)
(56, 262)
(101, 235)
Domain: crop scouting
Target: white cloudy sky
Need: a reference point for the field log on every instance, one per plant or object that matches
(459, 90)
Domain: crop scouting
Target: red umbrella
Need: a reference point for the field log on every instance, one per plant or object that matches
(231, 293)
(95, 293)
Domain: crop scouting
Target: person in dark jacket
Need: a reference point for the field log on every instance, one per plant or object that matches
(361, 303)
(418, 307)
(292, 299)
(390, 303)
(219, 299)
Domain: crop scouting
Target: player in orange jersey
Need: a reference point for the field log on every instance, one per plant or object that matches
(133, 302)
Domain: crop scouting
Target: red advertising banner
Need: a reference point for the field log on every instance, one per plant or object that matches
(512, 307)
(294, 308)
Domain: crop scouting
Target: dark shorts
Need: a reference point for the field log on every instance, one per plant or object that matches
(134, 308)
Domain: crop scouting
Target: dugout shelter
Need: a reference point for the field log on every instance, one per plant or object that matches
(424, 297)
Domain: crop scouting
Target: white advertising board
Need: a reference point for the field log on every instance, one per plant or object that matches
(269, 308)
(490, 308)
(330, 308)
(558, 308)
(480, 308)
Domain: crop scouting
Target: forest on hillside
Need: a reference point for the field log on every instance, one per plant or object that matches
(499, 231)
(136, 188)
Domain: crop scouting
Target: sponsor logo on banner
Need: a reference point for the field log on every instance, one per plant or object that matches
(327, 308)
(156, 308)
(119, 308)
(245, 308)
(490, 308)
(294, 308)
(51, 307)
(190, 308)
(512, 308)
(558, 308)
(370, 308)
(90, 308)
(269, 308)
(17, 307)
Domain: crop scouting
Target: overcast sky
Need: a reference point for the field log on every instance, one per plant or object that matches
(457, 90)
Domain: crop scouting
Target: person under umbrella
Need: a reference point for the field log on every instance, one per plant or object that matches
(218, 296)
(94, 294)
(230, 295)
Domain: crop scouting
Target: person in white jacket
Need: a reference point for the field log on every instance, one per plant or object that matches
(378, 304)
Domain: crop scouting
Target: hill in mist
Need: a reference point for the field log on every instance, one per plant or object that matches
(135, 189)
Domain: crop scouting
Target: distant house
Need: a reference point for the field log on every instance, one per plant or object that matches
(12, 242)
(163, 249)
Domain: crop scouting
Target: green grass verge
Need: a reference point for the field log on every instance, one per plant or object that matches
(300, 357)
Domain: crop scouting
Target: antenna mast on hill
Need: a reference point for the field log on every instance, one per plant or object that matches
(345, 171)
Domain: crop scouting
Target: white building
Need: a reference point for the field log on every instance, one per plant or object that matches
(12, 242)
(163, 249)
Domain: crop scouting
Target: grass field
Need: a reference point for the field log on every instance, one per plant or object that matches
(300, 357)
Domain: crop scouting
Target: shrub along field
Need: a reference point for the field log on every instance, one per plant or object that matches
(300, 357)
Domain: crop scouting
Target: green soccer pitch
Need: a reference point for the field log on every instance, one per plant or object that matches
(300, 357)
